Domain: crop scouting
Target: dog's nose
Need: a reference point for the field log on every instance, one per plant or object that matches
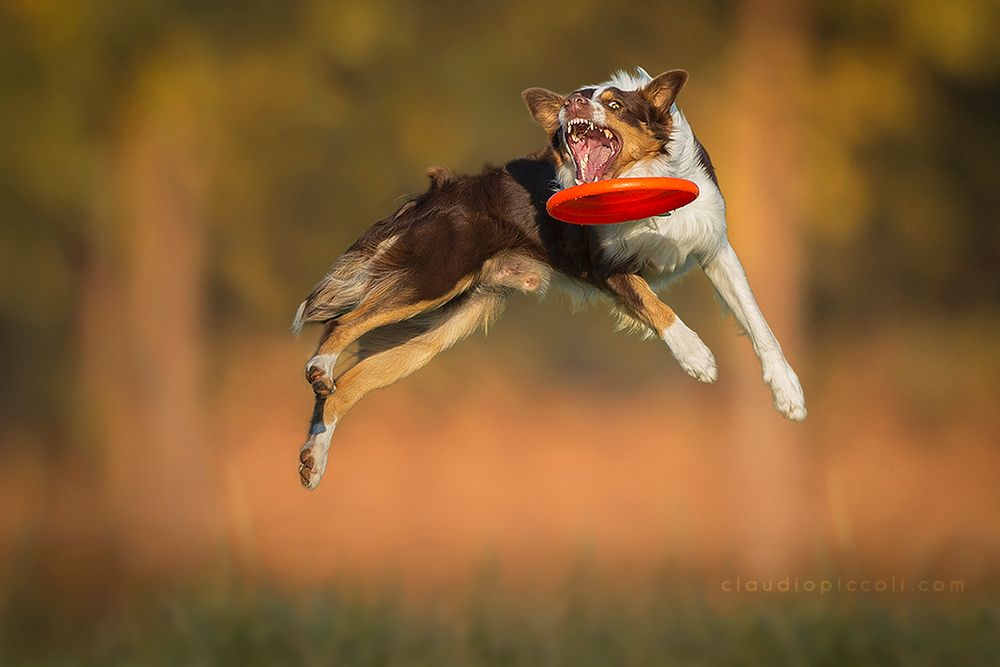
(576, 102)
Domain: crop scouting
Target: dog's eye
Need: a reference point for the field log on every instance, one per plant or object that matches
(614, 105)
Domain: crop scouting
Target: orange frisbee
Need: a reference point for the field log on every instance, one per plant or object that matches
(620, 200)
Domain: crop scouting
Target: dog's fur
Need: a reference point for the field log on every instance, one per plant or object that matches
(442, 265)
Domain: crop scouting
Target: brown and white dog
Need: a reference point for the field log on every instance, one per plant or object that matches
(442, 265)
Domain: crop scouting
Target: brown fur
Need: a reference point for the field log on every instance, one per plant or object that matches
(397, 358)
(706, 161)
(380, 307)
(640, 301)
(643, 134)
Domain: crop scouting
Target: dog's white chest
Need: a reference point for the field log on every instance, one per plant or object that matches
(666, 244)
(654, 244)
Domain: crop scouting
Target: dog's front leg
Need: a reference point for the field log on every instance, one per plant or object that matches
(634, 295)
(726, 273)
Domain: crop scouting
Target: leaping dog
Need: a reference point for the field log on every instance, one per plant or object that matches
(442, 265)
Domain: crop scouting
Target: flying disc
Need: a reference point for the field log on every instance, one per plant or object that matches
(620, 200)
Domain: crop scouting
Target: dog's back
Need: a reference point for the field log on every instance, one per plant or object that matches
(469, 230)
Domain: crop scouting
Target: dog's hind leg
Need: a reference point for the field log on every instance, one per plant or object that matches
(387, 360)
(379, 308)
(633, 294)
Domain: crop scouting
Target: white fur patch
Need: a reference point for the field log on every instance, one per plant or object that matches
(690, 352)
(297, 322)
(789, 399)
(324, 362)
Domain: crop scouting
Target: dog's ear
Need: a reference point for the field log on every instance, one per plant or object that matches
(544, 105)
(663, 90)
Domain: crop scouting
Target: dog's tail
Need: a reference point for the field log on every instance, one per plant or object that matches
(339, 292)
(299, 320)
(370, 264)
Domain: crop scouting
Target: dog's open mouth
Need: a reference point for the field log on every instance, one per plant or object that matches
(594, 148)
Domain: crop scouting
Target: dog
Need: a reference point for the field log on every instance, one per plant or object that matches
(442, 265)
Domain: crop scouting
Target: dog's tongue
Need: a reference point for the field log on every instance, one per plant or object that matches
(592, 156)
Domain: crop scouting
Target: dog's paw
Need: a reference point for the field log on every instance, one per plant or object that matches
(312, 465)
(691, 353)
(313, 457)
(789, 399)
(319, 374)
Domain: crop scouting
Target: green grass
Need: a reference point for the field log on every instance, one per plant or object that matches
(333, 629)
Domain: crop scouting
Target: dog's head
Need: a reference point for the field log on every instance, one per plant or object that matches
(599, 132)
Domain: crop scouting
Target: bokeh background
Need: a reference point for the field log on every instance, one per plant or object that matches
(174, 178)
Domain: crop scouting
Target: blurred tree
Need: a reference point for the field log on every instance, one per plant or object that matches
(150, 416)
(765, 210)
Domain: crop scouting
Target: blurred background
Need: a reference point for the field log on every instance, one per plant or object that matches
(175, 177)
